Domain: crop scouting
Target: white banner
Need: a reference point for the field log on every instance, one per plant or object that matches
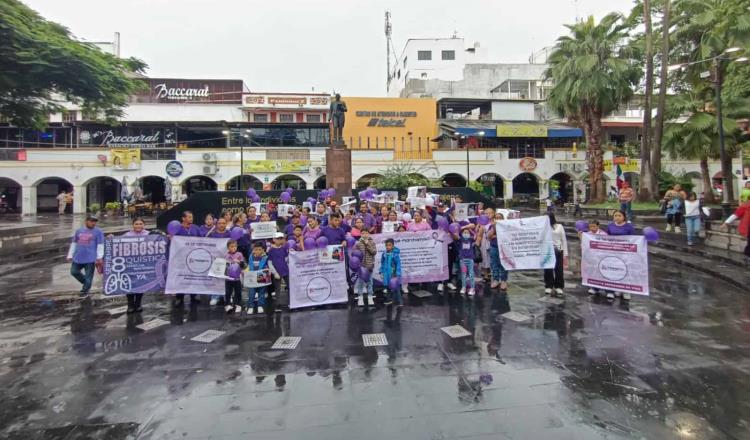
(526, 243)
(615, 262)
(261, 230)
(312, 283)
(424, 255)
(465, 211)
(190, 260)
(257, 278)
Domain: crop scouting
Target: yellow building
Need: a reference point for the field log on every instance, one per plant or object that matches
(406, 125)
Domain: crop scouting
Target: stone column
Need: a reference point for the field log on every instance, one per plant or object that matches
(339, 170)
(507, 191)
(79, 200)
(28, 200)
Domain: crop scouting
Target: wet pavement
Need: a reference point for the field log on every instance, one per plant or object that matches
(675, 365)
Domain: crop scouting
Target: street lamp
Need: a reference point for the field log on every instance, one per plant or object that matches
(718, 82)
(247, 135)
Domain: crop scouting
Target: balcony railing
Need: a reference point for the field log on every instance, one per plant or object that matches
(404, 147)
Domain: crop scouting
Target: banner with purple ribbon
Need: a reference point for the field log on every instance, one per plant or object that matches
(424, 255)
(135, 264)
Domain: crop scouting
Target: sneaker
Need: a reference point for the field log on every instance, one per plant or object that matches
(250, 310)
(451, 286)
(626, 296)
(388, 301)
(229, 309)
(471, 292)
(405, 288)
(618, 294)
(83, 294)
(238, 309)
(214, 301)
(260, 310)
(669, 228)
(559, 291)
(179, 302)
(503, 285)
(610, 296)
(677, 229)
(398, 306)
(494, 284)
(592, 291)
(690, 243)
(547, 291)
(440, 287)
(361, 301)
(462, 291)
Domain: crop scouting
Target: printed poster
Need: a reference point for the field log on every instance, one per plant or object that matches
(424, 255)
(260, 208)
(416, 192)
(257, 278)
(333, 253)
(526, 243)
(315, 284)
(135, 264)
(615, 262)
(218, 268)
(285, 210)
(190, 260)
(307, 205)
(465, 211)
(125, 159)
(262, 230)
(390, 227)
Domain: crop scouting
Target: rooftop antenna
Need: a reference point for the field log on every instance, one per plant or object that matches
(388, 43)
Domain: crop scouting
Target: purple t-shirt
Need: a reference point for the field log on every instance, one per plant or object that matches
(625, 229)
(466, 248)
(86, 241)
(192, 231)
(132, 233)
(368, 219)
(278, 258)
(334, 235)
(216, 234)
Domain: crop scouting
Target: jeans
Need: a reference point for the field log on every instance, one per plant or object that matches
(467, 271)
(233, 288)
(498, 271)
(364, 287)
(553, 278)
(394, 294)
(693, 227)
(257, 296)
(84, 278)
(627, 208)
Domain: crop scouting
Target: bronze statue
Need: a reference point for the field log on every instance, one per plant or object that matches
(337, 115)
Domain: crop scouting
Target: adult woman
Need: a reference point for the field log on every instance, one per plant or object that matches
(743, 214)
(692, 217)
(418, 223)
(243, 244)
(553, 278)
(484, 244)
(209, 224)
(620, 226)
(674, 199)
(499, 274)
(138, 229)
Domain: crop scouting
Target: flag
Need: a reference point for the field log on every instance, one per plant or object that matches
(620, 180)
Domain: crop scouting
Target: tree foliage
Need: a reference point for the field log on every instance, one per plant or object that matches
(401, 176)
(42, 65)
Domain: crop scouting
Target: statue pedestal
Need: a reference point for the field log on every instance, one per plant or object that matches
(339, 169)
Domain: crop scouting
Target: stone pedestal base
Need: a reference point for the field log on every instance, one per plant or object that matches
(339, 171)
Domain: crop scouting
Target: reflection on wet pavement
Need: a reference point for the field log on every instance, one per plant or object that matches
(675, 365)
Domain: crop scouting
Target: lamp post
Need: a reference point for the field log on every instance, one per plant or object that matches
(247, 135)
(726, 168)
(480, 135)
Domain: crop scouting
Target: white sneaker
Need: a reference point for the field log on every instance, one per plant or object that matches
(405, 288)
(361, 301)
(462, 291)
(677, 229)
(626, 296)
(471, 292)
(547, 291)
(249, 310)
(440, 287)
(559, 291)
(260, 310)
(610, 296)
(214, 301)
(592, 291)
(228, 309)
(238, 309)
(451, 286)
(669, 228)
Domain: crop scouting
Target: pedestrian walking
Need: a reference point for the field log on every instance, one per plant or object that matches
(86, 251)
(554, 278)
(692, 217)
(743, 215)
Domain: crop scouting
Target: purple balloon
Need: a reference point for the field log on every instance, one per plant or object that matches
(364, 274)
(361, 194)
(357, 253)
(354, 263)
(289, 190)
(394, 283)
(256, 198)
(483, 220)
(311, 199)
(332, 191)
(442, 222)
(350, 241)
(322, 242)
(650, 233)
(236, 233)
(454, 227)
(251, 192)
(582, 226)
(303, 220)
(290, 244)
(309, 243)
(234, 270)
(173, 227)
(285, 197)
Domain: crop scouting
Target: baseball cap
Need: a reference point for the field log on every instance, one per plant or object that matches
(92, 218)
(278, 235)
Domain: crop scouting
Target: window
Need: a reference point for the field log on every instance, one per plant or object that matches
(448, 54)
(260, 117)
(312, 118)
(157, 154)
(423, 75)
(424, 55)
(69, 115)
(617, 139)
(286, 117)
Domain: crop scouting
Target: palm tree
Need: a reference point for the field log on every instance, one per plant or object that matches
(594, 72)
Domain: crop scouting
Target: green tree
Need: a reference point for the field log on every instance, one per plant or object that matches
(42, 65)
(401, 176)
(594, 72)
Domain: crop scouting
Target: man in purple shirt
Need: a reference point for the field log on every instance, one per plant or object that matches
(86, 251)
(366, 217)
(334, 232)
(187, 229)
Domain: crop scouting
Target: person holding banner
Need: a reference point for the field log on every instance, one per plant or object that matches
(243, 244)
(334, 232)
(86, 251)
(499, 274)
(553, 278)
(366, 245)
(221, 230)
(138, 229)
(209, 224)
(258, 262)
(620, 226)
(278, 254)
(188, 229)
(312, 230)
(485, 243)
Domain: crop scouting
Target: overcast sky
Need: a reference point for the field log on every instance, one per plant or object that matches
(295, 45)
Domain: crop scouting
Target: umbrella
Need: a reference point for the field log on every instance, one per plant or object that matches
(124, 192)
(167, 190)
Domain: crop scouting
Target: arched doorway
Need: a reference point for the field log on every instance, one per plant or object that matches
(526, 189)
(198, 183)
(150, 189)
(10, 196)
(561, 188)
(366, 180)
(243, 183)
(453, 180)
(492, 185)
(288, 181)
(47, 191)
(102, 190)
(320, 183)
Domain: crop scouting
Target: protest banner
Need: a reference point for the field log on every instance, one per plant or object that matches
(312, 283)
(135, 264)
(416, 192)
(526, 243)
(465, 211)
(218, 268)
(615, 262)
(424, 255)
(390, 227)
(285, 210)
(257, 278)
(333, 253)
(190, 259)
(262, 230)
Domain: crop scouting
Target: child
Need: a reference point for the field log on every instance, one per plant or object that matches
(367, 246)
(299, 239)
(277, 255)
(390, 267)
(257, 295)
(233, 286)
(595, 229)
(466, 249)
(498, 272)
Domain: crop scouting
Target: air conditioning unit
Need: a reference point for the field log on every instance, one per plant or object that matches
(318, 170)
(210, 169)
(209, 157)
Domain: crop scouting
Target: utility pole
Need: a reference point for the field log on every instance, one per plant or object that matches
(388, 30)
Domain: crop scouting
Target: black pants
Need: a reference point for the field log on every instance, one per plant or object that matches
(181, 297)
(675, 219)
(553, 278)
(282, 295)
(452, 254)
(134, 300)
(233, 287)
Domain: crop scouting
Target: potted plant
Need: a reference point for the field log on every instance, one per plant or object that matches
(95, 208)
(112, 208)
